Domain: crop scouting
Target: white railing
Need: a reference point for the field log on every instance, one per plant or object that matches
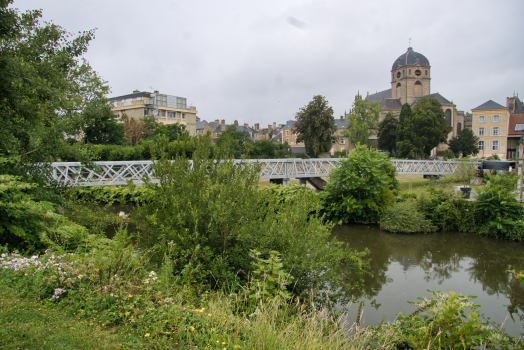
(119, 173)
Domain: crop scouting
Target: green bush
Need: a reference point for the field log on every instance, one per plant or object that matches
(403, 217)
(109, 194)
(341, 154)
(29, 224)
(361, 188)
(447, 154)
(214, 214)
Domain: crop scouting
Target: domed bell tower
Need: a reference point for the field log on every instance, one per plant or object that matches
(410, 77)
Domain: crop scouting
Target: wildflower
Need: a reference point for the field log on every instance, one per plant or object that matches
(146, 335)
(209, 315)
(129, 296)
(237, 346)
(127, 313)
(223, 343)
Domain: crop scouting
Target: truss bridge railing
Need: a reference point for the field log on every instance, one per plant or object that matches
(121, 172)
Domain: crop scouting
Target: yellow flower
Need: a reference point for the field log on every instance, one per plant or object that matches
(218, 341)
(202, 310)
(146, 335)
(129, 296)
(127, 313)
(223, 343)
(237, 346)
(209, 315)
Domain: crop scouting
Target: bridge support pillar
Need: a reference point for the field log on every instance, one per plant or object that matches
(302, 181)
(285, 182)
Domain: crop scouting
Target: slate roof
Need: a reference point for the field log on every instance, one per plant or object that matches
(489, 105)
(277, 138)
(380, 97)
(289, 125)
(201, 125)
(341, 124)
(410, 58)
(515, 119)
(443, 101)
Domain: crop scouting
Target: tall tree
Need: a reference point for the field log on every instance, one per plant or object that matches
(362, 122)
(315, 126)
(137, 130)
(424, 129)
(44, 84)
(464, 143)
(234, 140)
(404, 114)
(100, 124)
(387, 133)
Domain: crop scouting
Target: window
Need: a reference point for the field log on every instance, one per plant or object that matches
(287, 132)
(146, 111)
(170, 114)
(162, 114)
(409, 72)
(426, 72)
(481, 119)
(178, 115)
(418, 72)
(495, 118)
(448, 116)
(287, 140)
(398, 84)
(481, 131)
(183, 116)
(495, 131)
(481, 145)
(342, 142)
(418, 83)
(495, 145)
(399, 74)
(459, 127)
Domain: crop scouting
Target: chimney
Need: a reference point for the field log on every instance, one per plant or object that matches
(236, 123)
(136, 91)
(257, 126)
(341, 117)
(156, 92)
(270, 127)
(217, 123)
(223, 124)
(274, 125)
(246, 125)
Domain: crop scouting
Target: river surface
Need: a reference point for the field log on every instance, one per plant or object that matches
(405, 266)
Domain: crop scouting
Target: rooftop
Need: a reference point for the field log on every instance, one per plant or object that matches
(489, 105)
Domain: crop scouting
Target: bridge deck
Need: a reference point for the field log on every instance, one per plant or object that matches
(119, 173)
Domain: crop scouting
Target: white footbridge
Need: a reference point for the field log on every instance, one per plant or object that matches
(281, 170)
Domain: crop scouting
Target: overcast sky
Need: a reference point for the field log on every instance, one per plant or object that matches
(260, 61)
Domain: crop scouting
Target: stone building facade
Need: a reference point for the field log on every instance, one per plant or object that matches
(490, 122)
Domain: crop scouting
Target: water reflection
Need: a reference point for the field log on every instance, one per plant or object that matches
(403, 267)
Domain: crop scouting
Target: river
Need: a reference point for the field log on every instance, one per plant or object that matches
(405, 266)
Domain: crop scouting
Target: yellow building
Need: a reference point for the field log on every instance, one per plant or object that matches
(490, 123)
(166, 109)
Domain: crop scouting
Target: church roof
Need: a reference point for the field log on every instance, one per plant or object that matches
(410, 58)
(489, 105)
(443, 101)
(380, 97)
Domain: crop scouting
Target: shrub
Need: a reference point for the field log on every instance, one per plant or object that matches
(214, 214)
(361, 188)
(403, 217)
(26, 223)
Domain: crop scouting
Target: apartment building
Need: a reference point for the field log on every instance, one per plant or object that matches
(166, 109)
(490, 122)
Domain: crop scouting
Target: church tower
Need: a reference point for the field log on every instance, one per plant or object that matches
(410, 77)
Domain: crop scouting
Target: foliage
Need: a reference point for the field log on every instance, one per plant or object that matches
(109, 194)
(341, 154)
(137, 130)
(28, 224)
(447, 154)
(100, 124)
(387, 133)
(362, 122)
(361, 188)
(234, 140)
(315, 126)
(446, 321)
(423, 129)
(173, 132)
(403, 217)
(269, 278)
(215, 214)
(405, 113)
(465, 143)
(498, 208)
(263, 149)
(44, 83)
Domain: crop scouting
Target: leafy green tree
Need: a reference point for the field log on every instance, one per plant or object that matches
(44, 84)
(387, 134)
(173, 132)
(234, 140)
(315, 126)
(362, 122)
(100, 124)
(263, 149)
(464, 143)
(404, 114)
(423, 129)
(361, 188)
